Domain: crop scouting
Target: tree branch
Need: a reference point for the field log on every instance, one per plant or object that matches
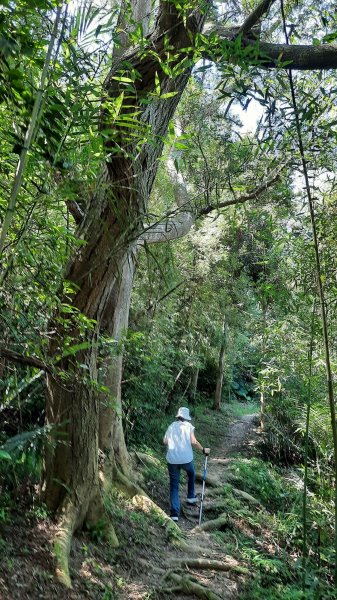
(267, 55)
(75, 210)
(150, 307)
(177, 227)
(240, 199)
(168, 229)
(31, 361)
(300, 57)
(171, 228)
(180, 188)
(255, 16)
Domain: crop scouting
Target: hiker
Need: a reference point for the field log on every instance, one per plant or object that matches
(179, 439)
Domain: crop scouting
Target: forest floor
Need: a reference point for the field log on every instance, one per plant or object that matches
(156, 559)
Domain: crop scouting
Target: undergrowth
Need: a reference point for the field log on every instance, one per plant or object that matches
(269, 537)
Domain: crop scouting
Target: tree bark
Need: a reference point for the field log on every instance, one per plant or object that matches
(72, 475)
(114, 325)
(101, 273)
(194, 383)
(301, 57)
(221, 365)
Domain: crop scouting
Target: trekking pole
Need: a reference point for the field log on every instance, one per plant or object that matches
(203, 488)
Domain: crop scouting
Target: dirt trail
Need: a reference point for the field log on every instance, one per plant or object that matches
(241, 433)
(240, 436)
(146, 563)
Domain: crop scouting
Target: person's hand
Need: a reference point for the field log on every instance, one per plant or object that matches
(206, 451)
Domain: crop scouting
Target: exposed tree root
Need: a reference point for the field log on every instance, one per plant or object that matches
(173, 589)
(146, 459)
(62, 541)
(147, 505)
(216, 491)
(210, 481)
(214, 506)
(97, 516)
(214, 565)
(245, 496)
(218, 504)
(124, 484)
(220, 523)
(185, 585)
(190, 548)
(189, 516)
(69, 519)
(141, 500)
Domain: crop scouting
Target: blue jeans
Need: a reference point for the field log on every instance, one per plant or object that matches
(174, 472)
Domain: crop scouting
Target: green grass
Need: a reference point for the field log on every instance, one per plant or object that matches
(240, 409)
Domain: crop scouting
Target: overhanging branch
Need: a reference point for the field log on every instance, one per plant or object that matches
(255, 16)
(251, 195)
(301, 57)
(173, 228)
(168, 229)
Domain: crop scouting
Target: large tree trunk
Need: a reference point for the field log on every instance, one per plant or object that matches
(114, 325)
(72, 477)
(101, 273)
(82, 415)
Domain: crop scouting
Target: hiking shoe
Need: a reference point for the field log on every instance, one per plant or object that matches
(174, 518)
(192, 500)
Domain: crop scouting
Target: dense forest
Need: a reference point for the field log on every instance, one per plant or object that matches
(167, 238)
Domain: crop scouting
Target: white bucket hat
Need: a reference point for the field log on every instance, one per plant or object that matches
(184, 413)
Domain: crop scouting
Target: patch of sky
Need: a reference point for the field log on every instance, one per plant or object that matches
(249, 117)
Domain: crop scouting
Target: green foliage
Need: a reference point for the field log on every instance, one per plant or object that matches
(270, 538)
(263, 482)
(21, 466)
(250, 266)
